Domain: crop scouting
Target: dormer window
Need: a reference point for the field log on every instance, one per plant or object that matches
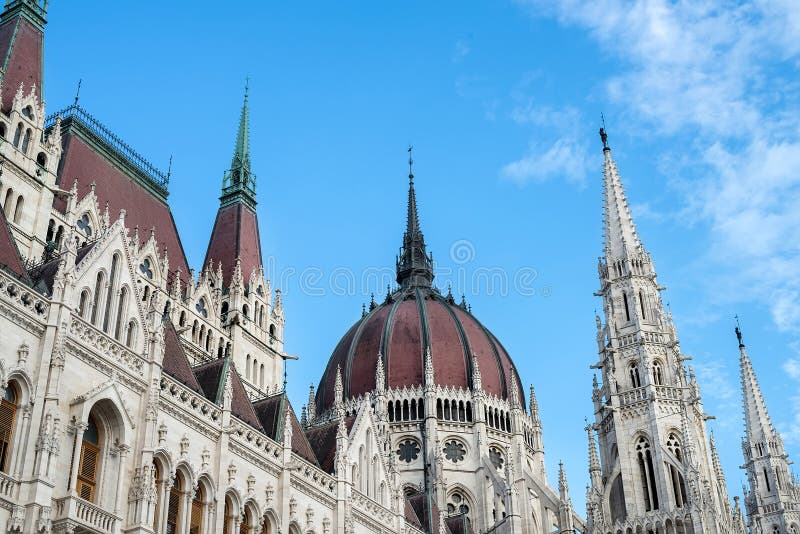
(146, 268)
(28, 112)
(84, 225)
(201, 307)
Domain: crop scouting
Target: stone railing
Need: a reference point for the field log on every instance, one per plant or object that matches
(8, 487)
(190, 400)
(669, 393)
(371, 508)
(23, 297)
(633, 396)
(104, 344)
(75, 512)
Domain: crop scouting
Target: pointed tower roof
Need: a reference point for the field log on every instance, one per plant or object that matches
(414, 265)
(621, 239)
(21, 48)
(758, 424)
(235, 235)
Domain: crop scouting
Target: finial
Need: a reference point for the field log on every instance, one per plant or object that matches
(285, 374)
(603, 134)
(169, 168)
(738, 331)
(246, 87)
(410, 164)
(78, 91)
(372, 303)
(363, 310)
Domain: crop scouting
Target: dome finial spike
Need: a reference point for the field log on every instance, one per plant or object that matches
(603, 134)
(414, 265)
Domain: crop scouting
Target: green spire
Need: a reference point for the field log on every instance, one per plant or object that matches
(239, 182)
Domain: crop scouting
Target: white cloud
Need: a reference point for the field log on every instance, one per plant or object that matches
(719, 79)
(462, 50)
(719, 385)
(792, 368)
(564, 158)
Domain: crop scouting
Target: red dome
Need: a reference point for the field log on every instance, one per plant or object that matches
(400, 329)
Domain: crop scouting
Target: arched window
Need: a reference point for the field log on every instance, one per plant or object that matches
(627, 310)
(228, 519)
(146, 294)
(41, 159)
(245, 310)
(447, 409)
(439, 412)
(112, 288)
(196, 518)
(27, 111)
(221, 348)
(247, 368)
(182, 318)
(633, 370)
(18, 209)
(8, 415)
(194, 331)
(157, 505)
(397, 414)
(272, 331)
(26, 141)
(261, 376)
(89, 461)
(647, 473)
(224, 310)
(462, 414)
(130, 336)
(2, 130)
(406, 413)
(121, 305)
(98, 291)
(641, 304)
(658, 373)
(83, 304)
(254, 372)
(249, 520)
(174, 505)
(17, 135)
(7, 203)
(457, 504)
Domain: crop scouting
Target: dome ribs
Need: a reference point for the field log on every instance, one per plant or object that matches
(423, 326)
(406, 366)
(449, 345)
(362, 356)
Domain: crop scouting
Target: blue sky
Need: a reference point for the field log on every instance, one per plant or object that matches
(502, 102)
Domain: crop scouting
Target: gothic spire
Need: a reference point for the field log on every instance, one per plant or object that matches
(621, 239)
(414, 265)
(235, 236)
(758, 424)
(594, 461)
(239, 182)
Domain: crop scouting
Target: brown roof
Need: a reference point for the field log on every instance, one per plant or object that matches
(44, 275)
(427, 512)
(175, 363)
(401, 329)
(270, 412)
(323, 442)
(212, 376)
(235, 235)
(10, 259)
(122, 191)
(21, 46)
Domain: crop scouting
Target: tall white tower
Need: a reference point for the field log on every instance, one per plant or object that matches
(773, 502)
(655, 472)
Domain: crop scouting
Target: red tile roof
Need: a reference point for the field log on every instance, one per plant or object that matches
(212, 376)
(401, 329)
(323, 441)
(122, 191)
(235, 235)
(175, 363)
(271, 413)
(21, 45)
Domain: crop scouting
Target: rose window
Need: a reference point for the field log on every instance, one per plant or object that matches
(408, 450)
(454, 451)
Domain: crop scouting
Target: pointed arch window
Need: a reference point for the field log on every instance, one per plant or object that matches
(130, 336)
(174, 505)
(18, 209)
(633, 370)
(8, 415)
(122, 304)
(627, 309)
(89, 461)
(641, 304)
(17, 135)
(26, 141)
(647, 473)
(196, 519)
(658, 373)
(98, 291)
(112, 283)
(83, 305)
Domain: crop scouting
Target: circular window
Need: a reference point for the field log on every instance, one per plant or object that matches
(454, 451)
(408, 450)
(457, 504)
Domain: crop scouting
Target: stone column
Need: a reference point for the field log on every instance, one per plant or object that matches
(78, 429)
(122, 475)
